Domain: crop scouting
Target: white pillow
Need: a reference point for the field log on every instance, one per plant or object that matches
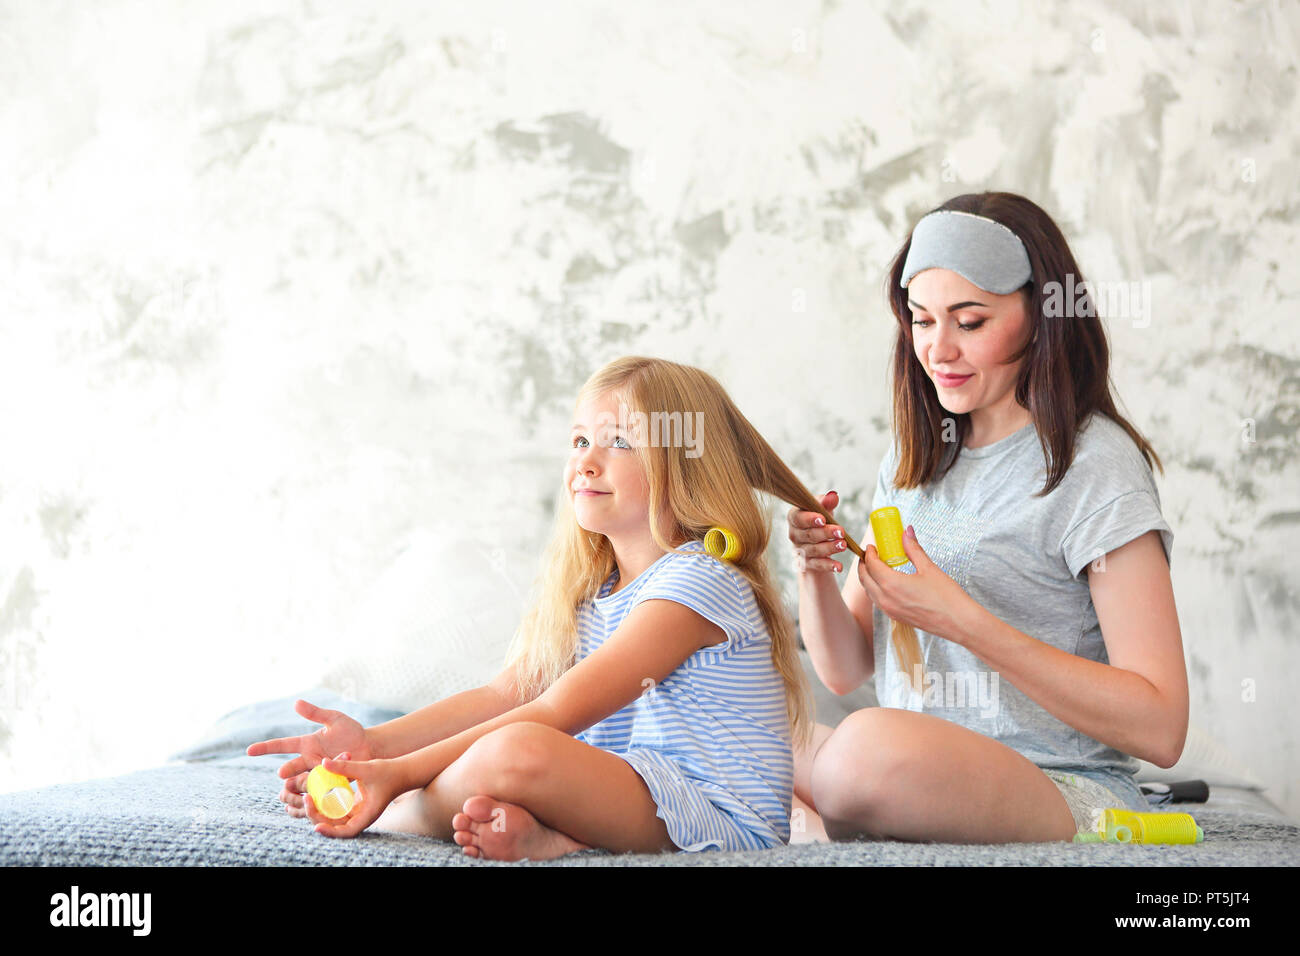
(437, 622)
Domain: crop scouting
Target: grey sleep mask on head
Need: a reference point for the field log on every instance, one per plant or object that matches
(980, 250)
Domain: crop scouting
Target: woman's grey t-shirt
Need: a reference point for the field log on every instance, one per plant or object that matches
(1025, 559)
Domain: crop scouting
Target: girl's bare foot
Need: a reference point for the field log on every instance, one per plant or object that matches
(495, 830)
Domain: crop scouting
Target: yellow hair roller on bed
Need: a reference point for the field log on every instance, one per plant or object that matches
(1131, 826)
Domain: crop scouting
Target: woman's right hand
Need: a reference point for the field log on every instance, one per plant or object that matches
(339, 735)
(815, 542)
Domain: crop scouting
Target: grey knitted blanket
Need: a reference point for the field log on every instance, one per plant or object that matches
(216, 807)
(225, 813)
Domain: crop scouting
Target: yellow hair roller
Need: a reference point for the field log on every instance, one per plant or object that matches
(887, 528)
(1131, 826)
(722, 543)
(1149, 827)
(330, 792)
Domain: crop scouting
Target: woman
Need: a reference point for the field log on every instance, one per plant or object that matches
(1043, 602)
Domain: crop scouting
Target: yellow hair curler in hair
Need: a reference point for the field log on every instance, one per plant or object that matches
(331, 792)
(1130, 826)
(887, 528)
(722, 543)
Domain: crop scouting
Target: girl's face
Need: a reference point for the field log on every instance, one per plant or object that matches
(963, 336)
(603, 475)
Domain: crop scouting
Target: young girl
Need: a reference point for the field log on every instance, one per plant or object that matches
(1052, 654)
(652, 694)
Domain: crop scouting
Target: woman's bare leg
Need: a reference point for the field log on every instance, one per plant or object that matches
(803, 762)
(911, 776)
(805, 824)
(565, 785)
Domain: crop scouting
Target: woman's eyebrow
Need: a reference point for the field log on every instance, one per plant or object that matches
(952, 308)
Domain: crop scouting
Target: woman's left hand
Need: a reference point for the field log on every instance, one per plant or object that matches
(928, 600)
(379, 783)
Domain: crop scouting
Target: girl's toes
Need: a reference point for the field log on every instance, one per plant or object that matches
(479, 808)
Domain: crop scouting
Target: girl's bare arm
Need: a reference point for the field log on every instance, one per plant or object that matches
(445, 718)
(652, 642)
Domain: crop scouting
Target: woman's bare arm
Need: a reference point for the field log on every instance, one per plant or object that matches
(835, 625)
(836, 628)
(1137, 703)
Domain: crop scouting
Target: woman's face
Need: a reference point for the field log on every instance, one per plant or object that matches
(963, 336)
(603, 475)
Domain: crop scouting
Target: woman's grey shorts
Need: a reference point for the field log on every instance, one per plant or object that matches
(1085, 797)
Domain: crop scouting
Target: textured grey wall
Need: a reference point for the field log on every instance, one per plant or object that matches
(294, 300)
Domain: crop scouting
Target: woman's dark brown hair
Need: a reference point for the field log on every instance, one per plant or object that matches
(1066, 374)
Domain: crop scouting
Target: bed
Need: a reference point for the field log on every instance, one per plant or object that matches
(214, 806)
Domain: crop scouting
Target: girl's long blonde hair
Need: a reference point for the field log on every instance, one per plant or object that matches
(717, 487)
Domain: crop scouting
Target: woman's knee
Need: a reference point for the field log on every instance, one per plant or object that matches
(857, 770)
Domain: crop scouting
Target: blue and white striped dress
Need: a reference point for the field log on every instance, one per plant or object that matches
(712, 741)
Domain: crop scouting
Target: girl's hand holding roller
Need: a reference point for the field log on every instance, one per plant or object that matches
(928, 600)
(379, 783)
(816, 543)
(340, 733)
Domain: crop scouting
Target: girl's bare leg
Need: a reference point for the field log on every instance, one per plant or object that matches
(911, 776)
(561, 784)
(403, 815)
(506, 831)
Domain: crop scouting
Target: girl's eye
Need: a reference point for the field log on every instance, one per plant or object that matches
(580, 441)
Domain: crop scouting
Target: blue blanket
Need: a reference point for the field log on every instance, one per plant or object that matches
(217, 807)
